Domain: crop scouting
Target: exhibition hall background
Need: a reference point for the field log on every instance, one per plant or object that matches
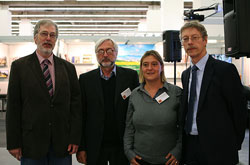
(137, 26)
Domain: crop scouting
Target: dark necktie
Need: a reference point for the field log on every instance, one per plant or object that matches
(192, 97)
(47, 77)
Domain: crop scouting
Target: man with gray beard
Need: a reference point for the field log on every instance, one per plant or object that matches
(105, 95)
(43, 118)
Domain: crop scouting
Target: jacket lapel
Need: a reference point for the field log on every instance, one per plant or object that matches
(118, 84)
(186, 79)
(98, 86)
(185, 87)
(207, 76)
(33, 62)
(59, 70)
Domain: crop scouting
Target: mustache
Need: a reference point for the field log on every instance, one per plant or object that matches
(102, 60)
(48, 43)
(191, 47)
(107, 65)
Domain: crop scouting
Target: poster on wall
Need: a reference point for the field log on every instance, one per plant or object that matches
(2, 61)
(129, 56)
(4, 73)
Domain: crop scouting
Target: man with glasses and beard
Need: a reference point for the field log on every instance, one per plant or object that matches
(105, 95)
(43, 118)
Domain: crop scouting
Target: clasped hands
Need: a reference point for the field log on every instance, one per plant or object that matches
(171, 160)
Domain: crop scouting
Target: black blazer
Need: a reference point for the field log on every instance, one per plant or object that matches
(93, 108)
(221, 115)
(33, 120)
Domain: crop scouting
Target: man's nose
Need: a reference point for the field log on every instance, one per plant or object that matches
(105, 54)
(190, 41)
(48, 37)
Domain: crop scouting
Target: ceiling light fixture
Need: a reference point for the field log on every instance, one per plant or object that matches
(124, 0)
(73, 8)
(27, 0)
(69, 26)
(84, 21)
(97, 29)
(69, 16)
(91, 29)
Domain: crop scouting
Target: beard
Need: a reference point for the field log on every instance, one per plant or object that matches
(106, 64)
(45, 50)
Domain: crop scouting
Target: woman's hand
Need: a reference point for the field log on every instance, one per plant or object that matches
(171, 160)
(134, 162)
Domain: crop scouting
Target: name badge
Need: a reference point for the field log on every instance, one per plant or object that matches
(126, 93)
(162, 97)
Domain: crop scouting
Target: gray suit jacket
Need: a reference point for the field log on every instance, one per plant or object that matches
(34, 121)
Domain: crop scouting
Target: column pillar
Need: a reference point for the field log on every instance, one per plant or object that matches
(5, 17)
(142, 26)
(172, 14)
(153, 20)
(25, 28)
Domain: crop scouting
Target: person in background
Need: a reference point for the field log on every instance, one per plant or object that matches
(43, 118)
(246, 91)
(153, 132)
(214, 108)
(105, 93)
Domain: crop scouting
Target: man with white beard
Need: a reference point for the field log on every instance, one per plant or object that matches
(105, 94)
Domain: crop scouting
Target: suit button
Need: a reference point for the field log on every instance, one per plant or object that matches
(51, 106)
(50, 124)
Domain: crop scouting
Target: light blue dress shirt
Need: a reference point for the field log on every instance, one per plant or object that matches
(112, 73)
(201, 65)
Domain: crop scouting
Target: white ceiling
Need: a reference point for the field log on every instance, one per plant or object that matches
(82, 17)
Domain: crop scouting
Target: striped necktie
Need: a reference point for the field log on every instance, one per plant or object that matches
(47, 76)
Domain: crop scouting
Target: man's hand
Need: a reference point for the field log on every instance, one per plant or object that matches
(81, 157)
(16, 153)
(72, 148)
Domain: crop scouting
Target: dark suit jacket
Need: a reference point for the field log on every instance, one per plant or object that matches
(93, 108)
(33, 119)
(221, 116)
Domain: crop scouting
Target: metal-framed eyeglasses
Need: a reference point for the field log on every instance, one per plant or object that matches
(109, 51)
(45, 34)
(194, 38)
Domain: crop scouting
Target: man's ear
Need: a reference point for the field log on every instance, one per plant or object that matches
(205, 38)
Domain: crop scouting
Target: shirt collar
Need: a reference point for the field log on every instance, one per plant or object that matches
(141, 87)
(113, 72)
(41, 58)
(202, 63)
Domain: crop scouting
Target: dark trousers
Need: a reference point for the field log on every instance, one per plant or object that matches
(192, 152)
(142, 162)
(114, 155)
(50, 159)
